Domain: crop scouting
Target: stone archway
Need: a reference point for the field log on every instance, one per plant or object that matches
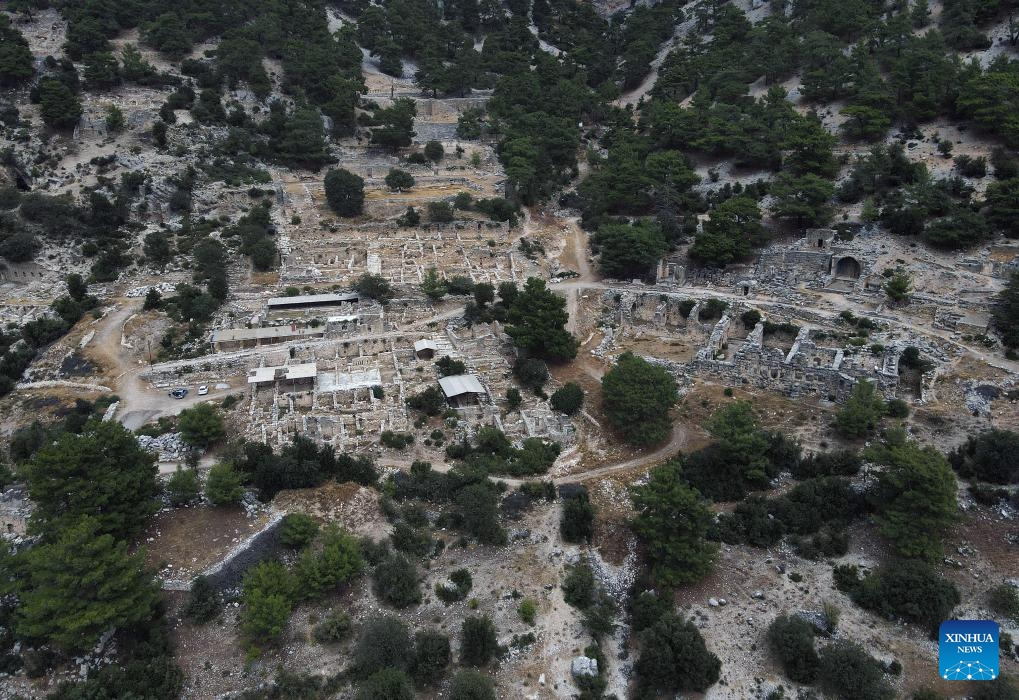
(848, 268)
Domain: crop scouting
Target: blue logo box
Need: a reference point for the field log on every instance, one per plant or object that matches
(968, 650)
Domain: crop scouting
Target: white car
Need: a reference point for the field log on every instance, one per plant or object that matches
(203, 390)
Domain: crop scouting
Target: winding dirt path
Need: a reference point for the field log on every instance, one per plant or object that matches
(676, 442)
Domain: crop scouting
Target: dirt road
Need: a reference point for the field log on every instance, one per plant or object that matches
(138, 403)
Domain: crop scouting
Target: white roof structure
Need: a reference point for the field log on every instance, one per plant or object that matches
(425, 344)
(460, 384)
(265, 375)
(346, 381)
(227, 335)
(311, 300)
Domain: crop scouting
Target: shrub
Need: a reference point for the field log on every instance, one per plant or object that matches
(838, 463)
(447, 366)
(461, 584)
(569, 399)
(577, 523)
(990, 456)
(434, 151)
(387, 684)
(1002, 688)
(384, 642)
(814, 502)
(397, 441)
(223, 485)
(827, 542)
(579, 586)
(203, 601)
(297, 530)
(513, 398)
(334, 628)
(471, 685)
(531, 372)
(183, 487)
(897, 408)
(750, 318)
(1004, 600)
(430, 401)
(791, 639)
(411, 540)
(527, 610)
(674, 658)
(440, 212)
(750, 522)
(396, 581)
(479, 643)
(431, 656)
(910, 590)
(646, 609)
(848, 672)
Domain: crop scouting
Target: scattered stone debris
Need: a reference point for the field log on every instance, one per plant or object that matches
(584, 666)
(169, 447)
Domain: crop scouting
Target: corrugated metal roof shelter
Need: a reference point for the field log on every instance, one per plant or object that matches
(231, 338)
(459, 385)
(267, 375)
(425, 349)
(305, 301)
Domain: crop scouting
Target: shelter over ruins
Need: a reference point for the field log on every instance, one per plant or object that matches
(299, 374)
(461, 389)
(307, 301)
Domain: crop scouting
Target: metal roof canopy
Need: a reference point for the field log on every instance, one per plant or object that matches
(261, 375)
(425, 344)
(311, 299)
(460, 384)
(227, 335)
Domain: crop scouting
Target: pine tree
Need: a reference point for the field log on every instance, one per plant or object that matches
(538, 319)
(75, 587)
(673, 520)
(102, 473)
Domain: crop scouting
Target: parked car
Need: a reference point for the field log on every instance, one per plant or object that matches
(203, 390)
(179, 393)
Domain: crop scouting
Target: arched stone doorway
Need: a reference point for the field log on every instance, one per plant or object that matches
(848, 268)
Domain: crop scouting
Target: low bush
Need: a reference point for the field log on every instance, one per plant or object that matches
(791, 639)
(297, 530)
(334, 628)
(848, 672)
(479, 643)
(396, 581)
(910, 590)
(459, 586)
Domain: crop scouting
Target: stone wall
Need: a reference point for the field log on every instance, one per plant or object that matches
(229, 572)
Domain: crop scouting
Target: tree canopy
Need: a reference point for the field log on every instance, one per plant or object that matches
(674, 658)
(636, 398)
(16, 62)
(672, 520)
(101, 473)
(915, 498)
(537, 323)
(82, 581)
(344, 192)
